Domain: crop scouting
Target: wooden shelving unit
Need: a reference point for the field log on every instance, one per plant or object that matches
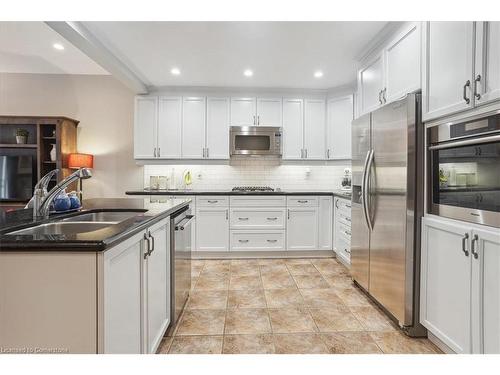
(43, 133)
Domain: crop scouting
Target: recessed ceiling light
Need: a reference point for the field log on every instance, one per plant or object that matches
(248, 73)
(175, 71)
(58, 46)
(318, 74)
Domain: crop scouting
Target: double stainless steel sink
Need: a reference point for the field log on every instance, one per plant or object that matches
(80, 223)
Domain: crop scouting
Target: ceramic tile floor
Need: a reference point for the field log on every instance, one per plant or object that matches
(282, 306)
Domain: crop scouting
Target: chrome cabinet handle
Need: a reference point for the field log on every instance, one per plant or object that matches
(380, 96)
(328, 154)
(146, 254)
(288, 214)
(475, 239)
(384, 91)
(254, 120)
(244, 241)
(258, 120)
(476, 81)
(306, 152)
(467, 84)
(336, 203)
(154, 152)
(227, 214)
(272, 240)
(209, 201)
(302, 201)
(243, 218)
(208, 152)
(159, 154)
(203, 152)
(153, 241)
(464, 241)
(272, 218)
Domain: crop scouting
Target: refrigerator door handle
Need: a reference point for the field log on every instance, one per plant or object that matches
(366, 206)
(364, 188)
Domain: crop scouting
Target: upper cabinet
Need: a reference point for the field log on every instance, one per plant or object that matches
(169, 127)
(145, 127)
(340, 113)
(448, 62)
(314, 129)
(460, 66)
(393, 72)
(193, 127)
(217, 130)
(293, 129)
(256, 111)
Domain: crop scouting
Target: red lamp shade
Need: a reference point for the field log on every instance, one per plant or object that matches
(76, 161)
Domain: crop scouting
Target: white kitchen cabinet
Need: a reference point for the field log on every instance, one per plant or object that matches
(487, 62)
(447, 68)
(217, 132)
(212, 228)
(371, 84)
(257, 218)
(339, 118)
(243, 111)
(136, 292)
(169, 128)
(293, 129)
(445, 282)
(269, 111)
(193, 127)
(325, 223)
(315, 129)
(485, 290)
(402, 63)
(257, 240)
(145, 127)
(157, 285)
(342, 230)
(302, 228)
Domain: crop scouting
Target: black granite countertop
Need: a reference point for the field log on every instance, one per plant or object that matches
(338, 193)
(98, 240)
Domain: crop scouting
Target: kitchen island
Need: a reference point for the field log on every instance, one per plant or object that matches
(72, 290)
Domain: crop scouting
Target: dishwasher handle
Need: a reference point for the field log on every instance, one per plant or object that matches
(181, 225)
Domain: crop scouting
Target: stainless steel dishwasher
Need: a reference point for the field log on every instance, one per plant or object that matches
(180, 264)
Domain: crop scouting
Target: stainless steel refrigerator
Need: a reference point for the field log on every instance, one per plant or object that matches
(387, 205)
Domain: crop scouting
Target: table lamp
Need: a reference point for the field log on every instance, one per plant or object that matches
(77, 161)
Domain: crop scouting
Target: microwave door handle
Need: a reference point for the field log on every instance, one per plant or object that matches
(466, 142)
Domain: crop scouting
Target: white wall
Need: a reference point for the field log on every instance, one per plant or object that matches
(105, 109)
(318, 177)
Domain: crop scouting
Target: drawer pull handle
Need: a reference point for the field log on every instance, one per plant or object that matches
(243, 218)
(348, 205)
(272, 240)
(272, 218)
(244, 241)
(212, 201)
(302, 201)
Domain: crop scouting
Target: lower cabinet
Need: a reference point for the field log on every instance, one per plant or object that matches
(342, 230)
(135, 300)
(460, 284)
(302, 228)
(257, 240)
(325, 228)
(212, 228)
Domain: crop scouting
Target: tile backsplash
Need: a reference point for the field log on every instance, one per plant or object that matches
(271, 173)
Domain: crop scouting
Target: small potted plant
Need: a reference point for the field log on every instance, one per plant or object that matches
(22, 136)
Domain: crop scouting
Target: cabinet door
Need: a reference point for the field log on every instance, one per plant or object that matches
(169, 127)
(217, 145)
(293, 128)
(269, 111)
(157, 270)
(340, 116)
(122, 297)
(487, 77)
(402, 64)
(212, 229)
(302, 228)
(447, 71)
(446, 282)
(193, 128)
(486, 291)
(325, 223)
(315, 129)
(243, 112)
(370, 84)
(145, 125)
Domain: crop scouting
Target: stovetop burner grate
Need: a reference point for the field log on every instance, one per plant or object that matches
(253, 188)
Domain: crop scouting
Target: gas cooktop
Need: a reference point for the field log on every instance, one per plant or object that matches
(253, 188)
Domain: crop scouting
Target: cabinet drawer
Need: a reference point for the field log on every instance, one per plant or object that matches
(343, 217)
(257, 218)
(302, 201)
(343, 250)
(258, 201)
(343, 231)
(212, 201)
(246, 240)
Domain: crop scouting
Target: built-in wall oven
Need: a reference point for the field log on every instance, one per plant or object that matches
(255, 141)
(464, 170)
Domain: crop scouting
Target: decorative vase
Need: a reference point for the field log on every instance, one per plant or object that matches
(53, 155)
(21, 139)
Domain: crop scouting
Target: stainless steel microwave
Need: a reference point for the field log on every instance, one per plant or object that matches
(255, 141)
(464, 170)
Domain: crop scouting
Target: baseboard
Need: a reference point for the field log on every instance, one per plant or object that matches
(441, 345)
(262, 254)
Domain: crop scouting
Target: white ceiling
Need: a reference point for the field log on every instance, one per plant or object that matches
(281, 54)
(26, 47)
